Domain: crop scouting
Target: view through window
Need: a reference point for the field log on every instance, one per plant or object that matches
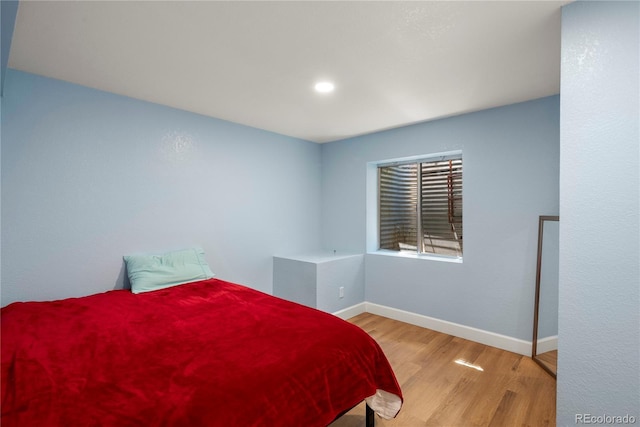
(420, 206)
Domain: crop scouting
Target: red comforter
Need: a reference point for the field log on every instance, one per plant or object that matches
(208, 353)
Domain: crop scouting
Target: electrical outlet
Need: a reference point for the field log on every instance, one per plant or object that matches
(341, 291)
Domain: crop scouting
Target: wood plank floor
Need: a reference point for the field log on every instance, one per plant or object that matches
(550, 358)
(510, 390)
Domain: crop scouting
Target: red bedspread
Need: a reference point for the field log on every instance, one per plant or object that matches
(208, 353)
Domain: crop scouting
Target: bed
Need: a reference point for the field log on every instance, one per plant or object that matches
(203, 353)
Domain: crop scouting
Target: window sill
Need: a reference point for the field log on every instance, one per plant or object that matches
(429, 257)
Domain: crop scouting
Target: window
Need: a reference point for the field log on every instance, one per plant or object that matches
(420, 206)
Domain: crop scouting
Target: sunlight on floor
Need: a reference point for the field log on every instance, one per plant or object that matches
(469, 365)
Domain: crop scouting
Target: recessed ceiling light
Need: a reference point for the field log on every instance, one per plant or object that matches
(324, 87)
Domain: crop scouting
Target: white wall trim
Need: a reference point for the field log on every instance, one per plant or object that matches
(547, 344)
(349, 312)
(492, 339)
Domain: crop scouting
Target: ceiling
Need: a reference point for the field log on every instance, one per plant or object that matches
(255, 63)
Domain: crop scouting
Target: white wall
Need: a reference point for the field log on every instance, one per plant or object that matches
(511, 172)
(89, 176)
(599, 322)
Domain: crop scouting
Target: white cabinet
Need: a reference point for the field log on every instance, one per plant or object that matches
(326, 281)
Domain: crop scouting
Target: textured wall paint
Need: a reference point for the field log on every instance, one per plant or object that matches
(89, 176)
(511, 169)
(599, 322)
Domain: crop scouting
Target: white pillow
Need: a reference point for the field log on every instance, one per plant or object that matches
(149, 272)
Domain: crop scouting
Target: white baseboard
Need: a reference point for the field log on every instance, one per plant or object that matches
(492, 339)
(547, 344)
(349, 312)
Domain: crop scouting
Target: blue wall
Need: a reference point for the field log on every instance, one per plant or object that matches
(8, 13)
(511, 173)
(599, 305)
(89, 176)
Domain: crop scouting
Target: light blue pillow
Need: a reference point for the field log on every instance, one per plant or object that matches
(149, 272)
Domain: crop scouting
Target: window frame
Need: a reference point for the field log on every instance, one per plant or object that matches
(417, 160)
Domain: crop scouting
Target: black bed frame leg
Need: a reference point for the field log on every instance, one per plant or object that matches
(370, 420)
